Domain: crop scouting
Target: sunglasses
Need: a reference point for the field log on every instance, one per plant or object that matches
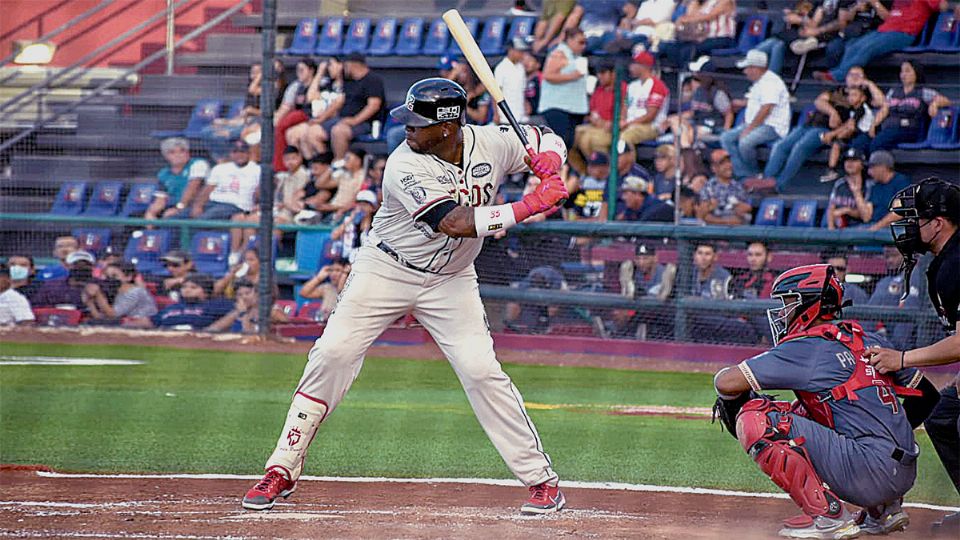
(172, 264)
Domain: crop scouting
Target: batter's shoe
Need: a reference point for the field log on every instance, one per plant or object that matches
(543, 499)
(264, 495)
(842, 527)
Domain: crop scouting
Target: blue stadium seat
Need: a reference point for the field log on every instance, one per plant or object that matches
(94, 240)
(145, 248)
(105, 199)
(204, 113)
(770, 212)
(138, 200)
(304, 38)
(473, 25)
(739, 118)
(806, 113)
(309, 252)
(437, 39)
(358, 37)
(235, 107)
(210, 250)
(942, 133)
(754, 31)
(330, 42)
(491, 39)
(521, 27)
(384, 38)
(923, 39)
(410, 38)
(803, 213)
(943, 38)
(69, 200)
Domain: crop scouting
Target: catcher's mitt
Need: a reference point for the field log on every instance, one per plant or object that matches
(728, 409)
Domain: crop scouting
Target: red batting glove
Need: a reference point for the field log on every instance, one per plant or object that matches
(544, 197)
(545, 164)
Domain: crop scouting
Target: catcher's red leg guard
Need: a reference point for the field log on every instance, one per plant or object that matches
(783, 459)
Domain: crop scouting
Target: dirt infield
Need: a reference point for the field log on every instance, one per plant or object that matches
(38, 506)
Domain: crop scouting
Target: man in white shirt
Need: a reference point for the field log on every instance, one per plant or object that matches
(766, 120)
(649, 14)
(511, 75)
(14, 307)
(231, 188)
(647, 102)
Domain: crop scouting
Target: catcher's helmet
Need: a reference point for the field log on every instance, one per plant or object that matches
(432, 101)
(807, 293)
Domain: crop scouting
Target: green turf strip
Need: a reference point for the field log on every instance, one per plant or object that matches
(209, 411)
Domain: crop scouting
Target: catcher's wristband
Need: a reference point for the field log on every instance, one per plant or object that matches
(492, 219)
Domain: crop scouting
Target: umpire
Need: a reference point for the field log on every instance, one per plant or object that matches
(929, 217)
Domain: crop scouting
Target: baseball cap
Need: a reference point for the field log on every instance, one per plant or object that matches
(646, 248)
(598, 158)
(177, 256)
(665, 150)
(239, 145)
(754, 58)
(635, 183)
(355, 57)
(881, 158)
(446, 63)
(853, 153)
(81, 255)
(519, 44)
(367, 196)
(643, 58)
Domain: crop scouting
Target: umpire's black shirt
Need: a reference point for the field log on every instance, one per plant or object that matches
(943, 281)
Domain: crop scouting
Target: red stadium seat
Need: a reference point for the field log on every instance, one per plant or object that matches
(48, 316)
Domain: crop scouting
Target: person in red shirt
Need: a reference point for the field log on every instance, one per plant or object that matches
(596, 134)
(901, 25)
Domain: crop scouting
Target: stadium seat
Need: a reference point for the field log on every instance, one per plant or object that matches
(491, 40)
(943, 38)
(330, 42)
(521, 27)
(51, 272)
(942, 133)
(210, 250)
(94, 240)
(235, 107)
(384, 38)
(754, 31)
(358, 37)
(145, 248)
(69, 200)
(473, 25)
(204, 113)
(920, 44)
(738, 119)
(304, 39)
(309, 310)
(51, 316)
(289, 307)
(309, 251)
(410, 38)
(437, 40)
(806, 113)
(138, 200)
(105, 199)
(770, 212)
(803, 213)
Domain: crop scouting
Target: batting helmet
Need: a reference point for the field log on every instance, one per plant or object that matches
(807, 293)
(432, 101)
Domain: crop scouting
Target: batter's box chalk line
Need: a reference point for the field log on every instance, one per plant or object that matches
(615, 486)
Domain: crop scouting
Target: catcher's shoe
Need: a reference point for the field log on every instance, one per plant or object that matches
(543, 499)
(842, 527)
(891, 519)
(264, 495)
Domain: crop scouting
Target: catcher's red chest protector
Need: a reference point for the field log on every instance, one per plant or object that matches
(850, 335)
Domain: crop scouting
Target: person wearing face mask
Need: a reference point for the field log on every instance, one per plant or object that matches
(14, 307)
(129, 299)
(22, 274)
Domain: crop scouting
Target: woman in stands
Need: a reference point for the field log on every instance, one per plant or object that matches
(294, 109)
(130, 301)
(325, 96)
(908, 107)
(248, 268)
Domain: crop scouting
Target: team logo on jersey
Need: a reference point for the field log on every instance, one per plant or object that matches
(504, 129)
(480, 170)
(408, 182)
(293, 436)
(418, 193)
(444, 179)
(448, 113)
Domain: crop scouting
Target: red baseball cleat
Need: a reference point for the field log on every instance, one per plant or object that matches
(264, 495)
(543, 499)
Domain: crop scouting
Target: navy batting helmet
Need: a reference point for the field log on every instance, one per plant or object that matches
(432, 101)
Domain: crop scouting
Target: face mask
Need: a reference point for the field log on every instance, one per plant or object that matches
(192, 300)
(18, 272)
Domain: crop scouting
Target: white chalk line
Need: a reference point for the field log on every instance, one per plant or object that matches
(616, 486)
(63, 361)
(62, 534)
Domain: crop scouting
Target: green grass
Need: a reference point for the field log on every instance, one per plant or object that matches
(208, 411)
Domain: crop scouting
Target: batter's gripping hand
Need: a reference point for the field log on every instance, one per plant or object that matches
(544, 197)
(545, 164)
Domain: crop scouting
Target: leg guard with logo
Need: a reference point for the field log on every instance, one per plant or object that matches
(783, 459)
(303, 419)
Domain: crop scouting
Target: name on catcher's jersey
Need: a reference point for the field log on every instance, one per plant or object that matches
(414, 183)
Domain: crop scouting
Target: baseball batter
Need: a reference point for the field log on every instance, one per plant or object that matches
(437, 193)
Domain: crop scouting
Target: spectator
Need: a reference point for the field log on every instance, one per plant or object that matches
(665, 163)
(536, 318)
(196, 309)
(290, 187)
(479, 103)
(766, 119)
(826, 26)
(511, 75)
(589, 201)
(709, 112)
(364, 99)
(130, 299)
(707, 25)
(597, 133)
(353, 230)
(231, 188)
(857, 122)
(326, 98)
(553, 19)
(531, 92)
(22, 273)
(647, 102)
(904, 21)
(563, 88)
(907, 109)
(326, 286)
(221, 131)
(710, 280)
(851, 291)
(641, 18)
(723, 200)
(627, 164)
(349, 179)
(776, 45)
(374, 181)
(888, 292)
(179, 181)
(63, 246)
(643, 276)
(109, 256)
(252, 131)
(14, 307)
(640, 205)
(180, 265)
(319, 190)
(688, 207)
(886, 183)
(848, 205)
(757, 281)
(294, 109)
(248, 268)
(243, 318)
(68, 292)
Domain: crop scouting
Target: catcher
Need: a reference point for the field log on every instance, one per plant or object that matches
(847, 437)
